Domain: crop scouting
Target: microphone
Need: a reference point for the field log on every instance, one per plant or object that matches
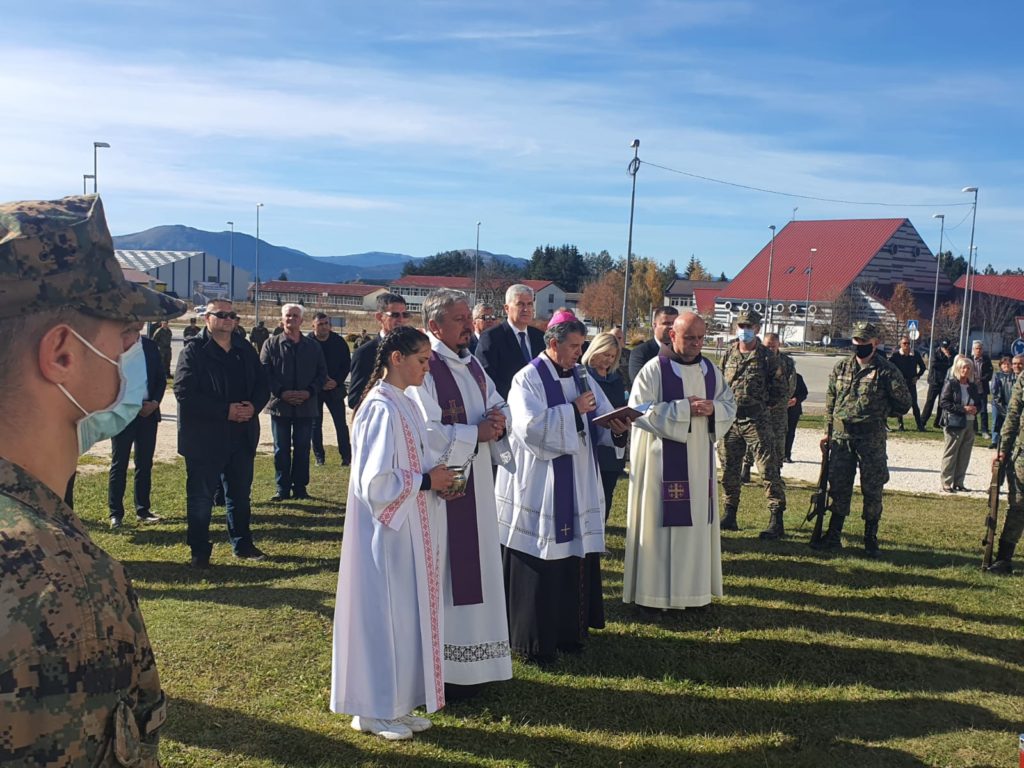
(581, 371)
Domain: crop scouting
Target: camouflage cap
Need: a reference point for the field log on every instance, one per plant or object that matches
(748, 316)
(58, 254)
(864, 330)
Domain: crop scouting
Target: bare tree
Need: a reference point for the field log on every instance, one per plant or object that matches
(993, 313)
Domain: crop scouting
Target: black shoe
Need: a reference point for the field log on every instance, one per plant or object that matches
(346, 462)
(200, 561)
(900, 428)
(871, 538)
(729, 520)
(788, 459)
(961, 489)
(320, 461)
(948, 489)
(774, 530)
(833, 538)
(922, 428)
(147, 517)
(300, 495)
(1003, 565)
(115, 523)
(279, 497)
(251, 552)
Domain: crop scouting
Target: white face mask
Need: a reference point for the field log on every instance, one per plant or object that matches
(107, 422)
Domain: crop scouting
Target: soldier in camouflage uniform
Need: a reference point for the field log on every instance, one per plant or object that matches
(778, 415)
(78, 681)
(163, 336)
(863, 391)
(758, 383)
(1010, 447)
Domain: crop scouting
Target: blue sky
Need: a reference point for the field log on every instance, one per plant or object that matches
(396, 126)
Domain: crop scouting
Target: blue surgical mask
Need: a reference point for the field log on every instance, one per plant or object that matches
(746, 335)
(110, 421)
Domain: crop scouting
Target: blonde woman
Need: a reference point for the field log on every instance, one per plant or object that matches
(960, 400)
(602, 361)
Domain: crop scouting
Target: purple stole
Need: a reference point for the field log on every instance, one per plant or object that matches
(675, 468)
(463, 539)
(565, 490)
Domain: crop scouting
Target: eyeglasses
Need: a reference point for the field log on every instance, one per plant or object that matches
(223, 315)
(486, 317)
(396, 315)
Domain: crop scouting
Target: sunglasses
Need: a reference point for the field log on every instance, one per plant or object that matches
(487, 317)
(223, 315)
(396, 315)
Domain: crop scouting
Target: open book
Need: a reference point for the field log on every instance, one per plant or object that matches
(629, 412)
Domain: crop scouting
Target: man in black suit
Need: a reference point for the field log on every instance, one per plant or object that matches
(793, 414)
(983, 375)
(391, 313)
(339, 361)
(483, 318)
(141, 433)
(508, 346)
(661, 324)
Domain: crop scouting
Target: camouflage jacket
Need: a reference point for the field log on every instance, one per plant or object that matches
(756, 377)
(789, 374)
(78, 681)
(163, 337)
(865, 395)
(1010, 433)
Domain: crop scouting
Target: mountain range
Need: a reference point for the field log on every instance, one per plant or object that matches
(276, 260)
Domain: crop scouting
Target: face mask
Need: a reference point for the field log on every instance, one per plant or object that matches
(110, 421)
(746, 335)
(863, 350)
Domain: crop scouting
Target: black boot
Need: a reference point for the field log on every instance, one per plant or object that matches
(833, 537)
(871, 538)
(774, 529)
(1003, 564)
(745, 474)
(729, 520)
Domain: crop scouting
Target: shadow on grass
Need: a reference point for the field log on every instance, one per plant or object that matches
(756, 661)
(224, 568)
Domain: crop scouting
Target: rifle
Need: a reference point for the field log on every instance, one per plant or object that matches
(819, 499)
(992, 518)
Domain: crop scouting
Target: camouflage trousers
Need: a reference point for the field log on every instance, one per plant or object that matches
(1014, 524)
(778, 418)
(757, 434)
(866, 452)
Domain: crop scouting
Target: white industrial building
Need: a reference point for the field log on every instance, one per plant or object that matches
(180, 271)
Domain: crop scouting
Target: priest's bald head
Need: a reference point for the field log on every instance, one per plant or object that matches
(447, 316)
(687, 335)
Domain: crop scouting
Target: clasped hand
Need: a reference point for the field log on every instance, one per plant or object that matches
(492, 427)
(700, 406)
(295, 396)
(241, 412)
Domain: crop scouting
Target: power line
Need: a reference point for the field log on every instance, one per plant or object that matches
(801, 197)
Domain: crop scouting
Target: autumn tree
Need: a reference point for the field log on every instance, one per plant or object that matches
(902, 307)
(601, 300)
(695, 270)
(947, 322)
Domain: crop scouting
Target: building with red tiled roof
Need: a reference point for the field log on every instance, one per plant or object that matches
(998, 302)
(547, 295)
(354, 296)
(818, 266)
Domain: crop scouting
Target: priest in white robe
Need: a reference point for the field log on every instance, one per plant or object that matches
(673, 542)
(462, 406)
(551, 510)
(389, 617)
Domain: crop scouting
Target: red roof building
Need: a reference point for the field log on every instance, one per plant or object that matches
(547, 295)
(817, 263)
(1007, 286)
(355, 296)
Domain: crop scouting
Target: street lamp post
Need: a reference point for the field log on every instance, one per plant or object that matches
(476, 267)
(95, 146)
(935, 296)
(768, 289)
(634, 166)
(85, 178)
(965, 322)
(807, 301)
(256, 301)
(231, 259)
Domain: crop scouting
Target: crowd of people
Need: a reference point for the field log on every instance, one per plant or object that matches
(484, 454)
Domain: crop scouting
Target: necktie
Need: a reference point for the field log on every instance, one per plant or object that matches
(525, 347)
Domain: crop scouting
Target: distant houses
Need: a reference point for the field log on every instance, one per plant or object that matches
(328, 296)
(547, 295)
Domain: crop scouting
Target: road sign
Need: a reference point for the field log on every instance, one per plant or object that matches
(911, 325)
(1020, 327)
(914, 334)
(1017, 347)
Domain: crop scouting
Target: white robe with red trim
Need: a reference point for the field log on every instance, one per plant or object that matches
(675, 566)
(388, 618)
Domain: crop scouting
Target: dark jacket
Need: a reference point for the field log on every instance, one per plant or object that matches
(800, 394)
(1002, 387)
(911, 366)
(952, 397)
(614, 389)
(156, 385)
(640, 354)
(986, 373)
(939, 367)
(292, 365)
(501, 355)
(338, 360)
(201, 387)
(362, 368)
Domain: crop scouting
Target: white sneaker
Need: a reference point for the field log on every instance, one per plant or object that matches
(392, 730)
(414, 723)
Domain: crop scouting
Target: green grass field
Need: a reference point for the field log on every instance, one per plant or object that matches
(808, 660)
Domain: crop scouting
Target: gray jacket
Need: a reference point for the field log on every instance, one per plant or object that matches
(293, 365)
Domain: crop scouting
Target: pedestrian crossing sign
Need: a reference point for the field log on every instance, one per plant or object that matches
(1020, 327)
